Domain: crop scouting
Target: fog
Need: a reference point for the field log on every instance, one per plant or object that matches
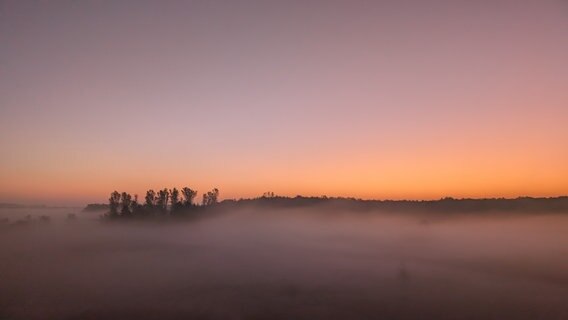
(261, 263)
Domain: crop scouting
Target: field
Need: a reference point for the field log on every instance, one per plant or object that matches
(303, 263)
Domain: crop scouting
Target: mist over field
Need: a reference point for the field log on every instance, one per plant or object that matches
(297, 160)
(286, 263)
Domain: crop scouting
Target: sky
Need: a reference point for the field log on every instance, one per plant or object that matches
(368, 99)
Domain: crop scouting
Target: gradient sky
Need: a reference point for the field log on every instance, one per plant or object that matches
(372, 99)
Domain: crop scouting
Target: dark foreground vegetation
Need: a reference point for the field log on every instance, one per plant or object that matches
(181, 203)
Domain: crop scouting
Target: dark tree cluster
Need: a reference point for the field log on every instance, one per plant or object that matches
(163, 202)
(210, 197)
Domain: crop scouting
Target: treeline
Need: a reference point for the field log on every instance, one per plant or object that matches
(174, 202)
(96, 207)
(163, 202)
(444, 205)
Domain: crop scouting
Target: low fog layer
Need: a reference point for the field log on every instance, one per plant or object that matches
(286, 264)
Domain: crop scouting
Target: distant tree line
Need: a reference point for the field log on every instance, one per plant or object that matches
(174, 202)
(96, 207)
(158, 203)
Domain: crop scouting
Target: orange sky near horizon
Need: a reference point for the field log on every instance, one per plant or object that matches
(365, 99)
(404, 174)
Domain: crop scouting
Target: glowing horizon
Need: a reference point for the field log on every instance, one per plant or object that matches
(362, 99)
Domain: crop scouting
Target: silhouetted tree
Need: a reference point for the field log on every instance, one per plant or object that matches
(113, 203)
(174, 196)
(163, 198)
(214, 195)
(211, 197)
(150, 199)
(174, 200)
(188, 196)
(125, 203)
(268, 194)
(135, 207)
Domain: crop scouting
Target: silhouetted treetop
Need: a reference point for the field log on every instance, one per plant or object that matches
(210, 197)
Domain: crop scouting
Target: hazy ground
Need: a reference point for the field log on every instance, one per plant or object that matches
(286, 264)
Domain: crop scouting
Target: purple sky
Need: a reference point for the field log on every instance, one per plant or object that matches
(374, 99)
